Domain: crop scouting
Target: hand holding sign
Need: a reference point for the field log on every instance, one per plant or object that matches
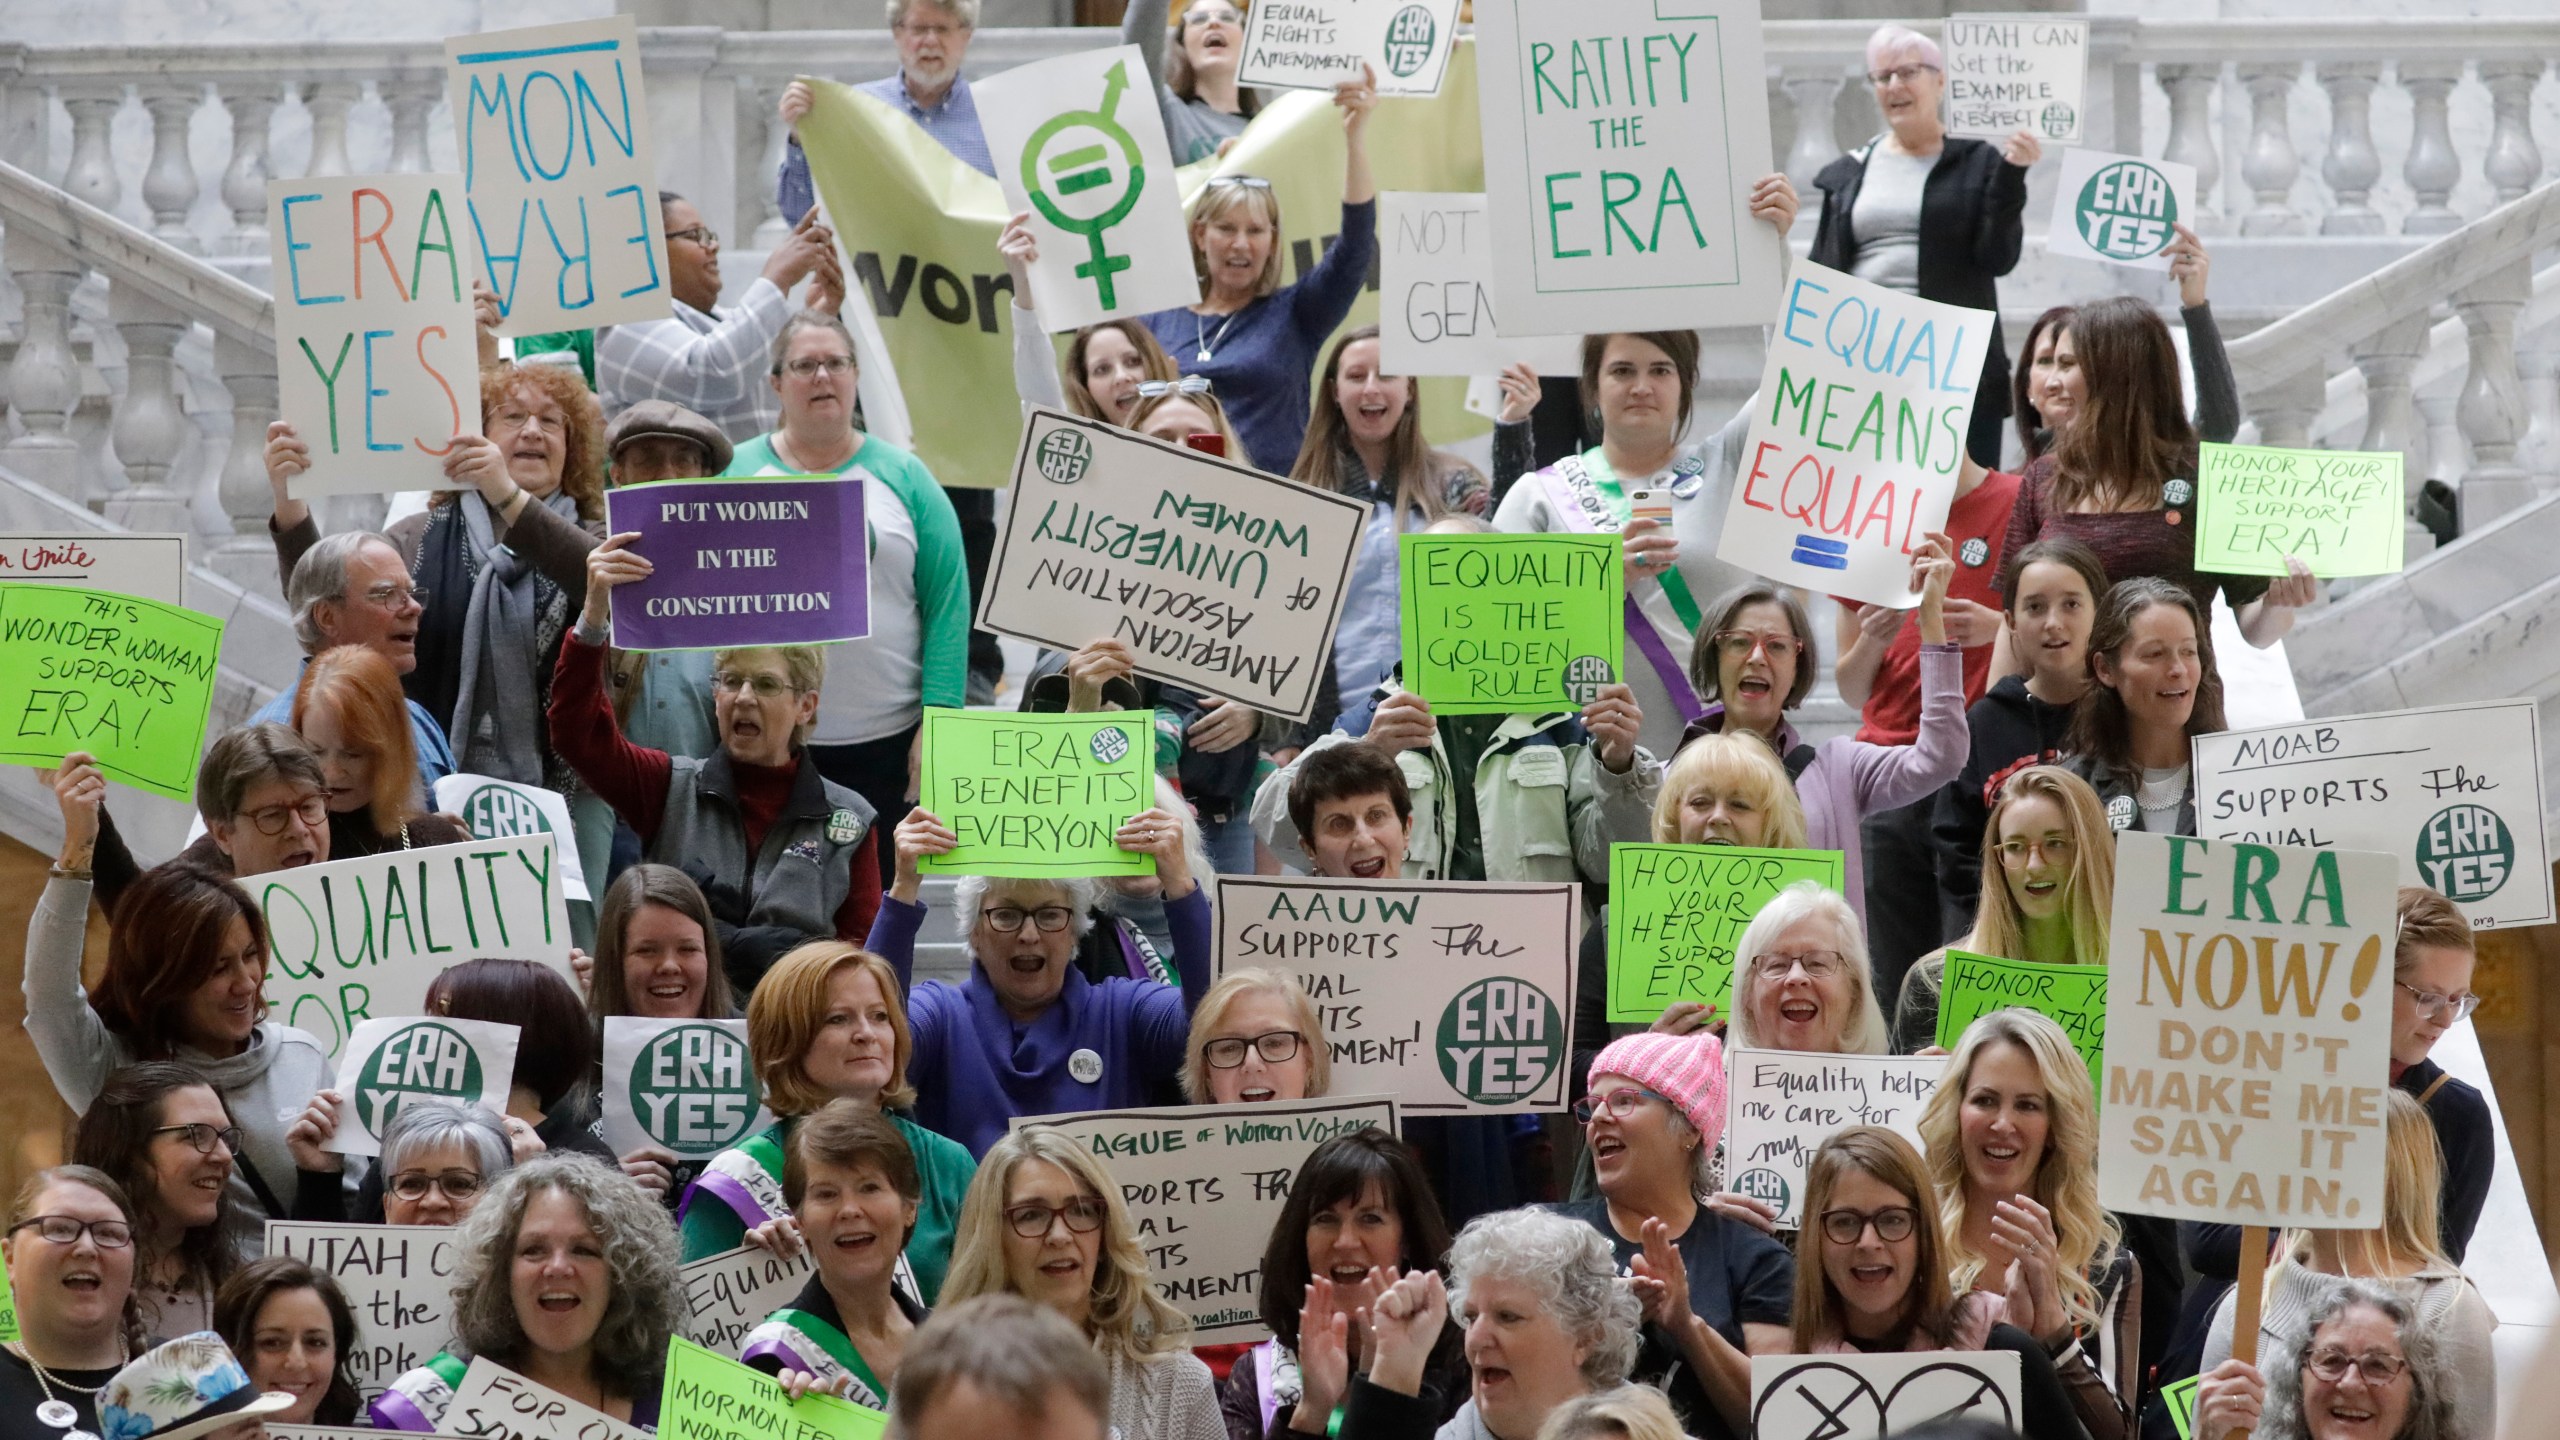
(79, 789)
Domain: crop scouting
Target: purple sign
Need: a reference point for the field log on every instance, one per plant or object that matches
(743, 562)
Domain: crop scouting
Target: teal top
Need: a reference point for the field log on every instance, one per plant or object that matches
(944, 1168)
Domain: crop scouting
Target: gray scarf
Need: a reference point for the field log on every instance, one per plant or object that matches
(501, 641)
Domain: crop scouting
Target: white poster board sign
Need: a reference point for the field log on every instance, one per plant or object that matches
(2007, 73)
(1455, 998)
(491, 808)
(1205, 1183)
(1221, 578)
(2455, 791)
(392, 1061)
(2119, 208)
(686, 1086)
(354, 939)
(1435, 312)
(495, 1401)
(1078, 143)
(1857, 436)
(151, 566)
(1318, 44)
(377, 364)
(1863, 1397)
(1620, 151)
(398, 1281)
(728, 1294)
(553, 130)
(2248, 1032)
(1782, 1105)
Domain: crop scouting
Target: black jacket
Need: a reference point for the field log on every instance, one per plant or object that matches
(2011, 729)
(2123, 807)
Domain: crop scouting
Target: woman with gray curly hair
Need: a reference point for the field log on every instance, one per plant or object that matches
(1546, 1318)
(2364, 1367)
(566, 1276)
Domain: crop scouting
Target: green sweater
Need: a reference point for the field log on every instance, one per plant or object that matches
(943, 1166)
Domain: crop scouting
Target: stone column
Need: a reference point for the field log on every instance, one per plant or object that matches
(2271, 165)
(44, 376)
(2433, 168)
(2352, 165)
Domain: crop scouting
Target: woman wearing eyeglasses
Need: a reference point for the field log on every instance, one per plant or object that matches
(1044, 1220)
(166, 1137)
(1256, 1037)
(436, 1158)
(70, 1256)
(1800, 978)
(2362, 1366)
(260, 791)
(1175, 410)
(2431, 993)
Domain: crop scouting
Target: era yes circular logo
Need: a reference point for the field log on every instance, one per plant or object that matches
(1584, 676)
(495, 810)
(1409, 37)
(1063, 456)
(1500, 1041)
(2126, 210)
(694, 1089)
(2466, 852)
(425, 1061)
(1109, 745)
(1765, 1185)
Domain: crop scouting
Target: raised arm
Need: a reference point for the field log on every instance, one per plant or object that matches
(73, 1042)
(629, 777)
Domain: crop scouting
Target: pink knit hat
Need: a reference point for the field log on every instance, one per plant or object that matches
(1687, 1070)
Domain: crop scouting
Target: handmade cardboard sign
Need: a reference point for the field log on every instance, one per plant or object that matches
(2455, 791)
(491, 808)
(1033, 795)
(743, 562)
(398, 1280)
(2248, 1032)
(1783, 1104)
(687, 1086)
(728, 1294)
(1860, 1397)
(1220, 578)
(495, 1401)
(2071, 996)
(392, 1061)
(553, 129)
(1318, 44)
(1435, 313)
(2180, 1398)
(1452, 997)
(1621, 142)
(376, 361)
(712, 1397)
(357, 939)
(127, 679)
(1079, 144)
(2119, 208)
(275, 1431)
(151, 566)
(2340, 511)
(8, 1313)
(1495, 624)
(2007, 73)
(1858, 438)
(1675, 912)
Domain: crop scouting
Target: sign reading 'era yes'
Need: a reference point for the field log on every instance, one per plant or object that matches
(1032, 795)
(398, 1279)
(153, 567)
(2007, 73)
(2121, 209)
(2339, 511)
(1318, 44)
(1783, 1105)
(743, 562)
(2455, 791)
(1500, 623)
(1676, 911)
(1454, 998)
(685, 1086)
(392, 1062)
(1220, 578)
(1435, 312)
(127, 679)
(2248, 1032)
(1204, 1183)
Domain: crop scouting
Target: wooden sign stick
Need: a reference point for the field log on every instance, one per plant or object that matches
(2249, 1292)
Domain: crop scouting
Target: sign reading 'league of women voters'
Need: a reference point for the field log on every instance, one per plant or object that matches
(743, 562)
(1857, 437)
(127, 679)
(1033, 795)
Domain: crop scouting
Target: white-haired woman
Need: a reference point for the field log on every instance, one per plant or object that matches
(2362, 1364)
(1800, 978)
(1546, 1320)
(1256, 1036)
(438, 1158)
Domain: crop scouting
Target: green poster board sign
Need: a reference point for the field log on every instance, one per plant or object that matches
(1676, 911)
(127, 679)
(2180, 1397)
(2071, 996)
(1497, 624)
(2341, 511)
(1038, 795)
(711, 1397)
(8, 1313)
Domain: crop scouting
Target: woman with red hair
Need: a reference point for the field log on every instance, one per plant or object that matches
(350, 709)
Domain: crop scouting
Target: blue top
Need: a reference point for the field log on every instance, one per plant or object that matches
(954, 122)
(435, 753)
(974, 1068)
(1261, 356)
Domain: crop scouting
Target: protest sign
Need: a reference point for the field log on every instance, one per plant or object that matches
(2007, 73)
(687, 1086)
(1220, 578)
(491, 808)
(709, 1396)
(1318, 44)
(495, 1401)
(1033, 795)
(1435, 268)
(1452, 997)
(2248, 1032)
(2071, 996)
(354, 939)
(127, 679)
(1204, 1185)
(1675, 912)
(1621, 147)
(394, 1060)
(1079, 145)
(728, 1294)
(2119, 208)
(1784, 1104)
(153, 567)
(377, 362)
(2341, 511)
(1849, 1396)
(275, 1431)
(2455, 791)
(1500, 623)
(553, 129)
(742, 562)
(1857, 437)
(398, 1280)
(2180, 1398)
(8, 1312)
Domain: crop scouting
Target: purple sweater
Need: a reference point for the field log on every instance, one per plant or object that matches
(1850, 779)
(974, 1068)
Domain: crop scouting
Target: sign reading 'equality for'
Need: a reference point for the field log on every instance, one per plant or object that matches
(2248, 1032)
(1621, 139)
(1859, 439)
(1499, 623)
(1676, 911)
(1218, 577)
(1037, 794)
(151, 566)
(743, 562)
(2007, 73)
(1783, 1105)
(1318, 44)
(1435, 310)
(126, 679)
(563, 187)
(2339, 510)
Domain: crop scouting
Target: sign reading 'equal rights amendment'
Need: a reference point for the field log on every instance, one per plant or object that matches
(127, 679)
(1501, 623)
(1783, 1105)
(1032, 795)
(743, 562)
(1318, 44)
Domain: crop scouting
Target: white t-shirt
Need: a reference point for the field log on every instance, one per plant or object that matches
(875, 685)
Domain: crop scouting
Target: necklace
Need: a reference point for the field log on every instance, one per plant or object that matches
(1207, 342)
(2168, 790)
(56, 1413)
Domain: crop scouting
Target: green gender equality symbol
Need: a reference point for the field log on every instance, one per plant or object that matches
(1088, 167)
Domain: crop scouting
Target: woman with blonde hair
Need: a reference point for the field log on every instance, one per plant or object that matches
(1629, 1412)
(1256, 1037)
(1175, 410)
(349, 708)
(1800, 978)
(1044, 1220)
(2012, 1140)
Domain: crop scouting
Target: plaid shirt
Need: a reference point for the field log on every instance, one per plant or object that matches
(717, 365)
